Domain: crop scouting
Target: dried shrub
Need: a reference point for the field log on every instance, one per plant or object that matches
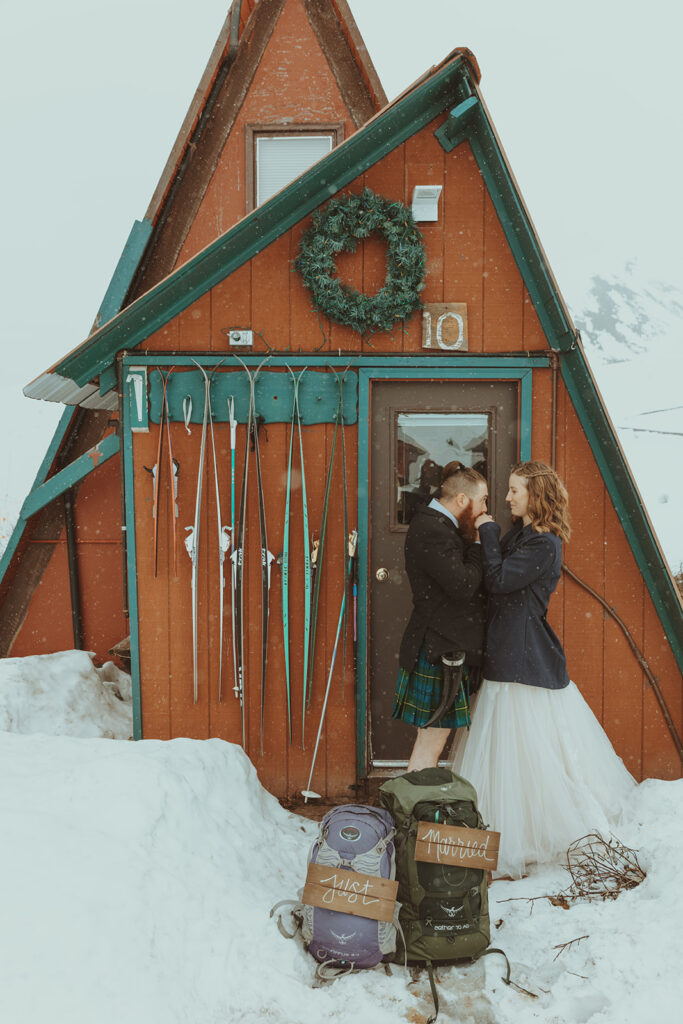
(601, 868)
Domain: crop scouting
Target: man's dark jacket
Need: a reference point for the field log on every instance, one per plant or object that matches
(445, 576)
(520, 574)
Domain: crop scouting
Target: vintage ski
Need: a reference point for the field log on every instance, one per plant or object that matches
(317, 559)
(308, 793)
(238, 554)
(296, 422)
(192, 539)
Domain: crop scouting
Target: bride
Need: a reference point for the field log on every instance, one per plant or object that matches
(544, 770)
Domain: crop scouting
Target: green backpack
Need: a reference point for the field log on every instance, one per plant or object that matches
(444, 909)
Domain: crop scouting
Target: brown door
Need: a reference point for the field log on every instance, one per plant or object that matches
(418, 426)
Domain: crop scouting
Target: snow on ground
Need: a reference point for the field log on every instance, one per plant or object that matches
(65, 694)
(136, 881)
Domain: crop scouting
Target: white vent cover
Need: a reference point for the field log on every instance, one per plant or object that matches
(282, 158)
(426, 202)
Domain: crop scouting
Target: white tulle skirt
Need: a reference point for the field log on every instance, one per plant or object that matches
(544, 771)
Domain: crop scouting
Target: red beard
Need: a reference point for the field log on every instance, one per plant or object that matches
(466, 524)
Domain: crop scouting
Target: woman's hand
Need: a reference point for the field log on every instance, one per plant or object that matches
(483, 518)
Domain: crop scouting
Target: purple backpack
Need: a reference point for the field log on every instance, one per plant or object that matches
(358, 838)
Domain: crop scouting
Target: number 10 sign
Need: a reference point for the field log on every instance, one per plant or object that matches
(444, 326)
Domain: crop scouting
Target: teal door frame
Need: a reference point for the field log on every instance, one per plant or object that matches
(471, 368)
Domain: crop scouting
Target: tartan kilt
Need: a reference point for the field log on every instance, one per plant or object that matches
(418, 694)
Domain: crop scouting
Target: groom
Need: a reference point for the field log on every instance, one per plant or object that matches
(443, 563)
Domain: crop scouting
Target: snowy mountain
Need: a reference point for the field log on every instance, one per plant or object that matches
(633, 334)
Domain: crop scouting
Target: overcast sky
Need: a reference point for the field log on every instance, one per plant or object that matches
(586, 98)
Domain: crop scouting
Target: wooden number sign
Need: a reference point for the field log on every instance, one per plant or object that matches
(444, 326)
(459, 847)
(350, 892)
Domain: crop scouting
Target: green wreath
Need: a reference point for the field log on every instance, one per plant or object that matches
(339, 227)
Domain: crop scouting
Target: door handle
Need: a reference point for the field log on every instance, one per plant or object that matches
(382, 575)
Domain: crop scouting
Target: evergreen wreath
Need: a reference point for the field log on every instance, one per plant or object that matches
(339, 227)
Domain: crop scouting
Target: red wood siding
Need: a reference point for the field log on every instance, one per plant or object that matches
(293, 84)
(47, 626)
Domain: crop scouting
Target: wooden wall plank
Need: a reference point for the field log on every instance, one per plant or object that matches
(47, 626)
(307, 334)
(272, 766)
(623, 704)
(585, 556)
(316, 454)
(270, 274)
(462, 205)
(425, 165)
(503, 288)
(386, 178)
(155, 669)
(341, 714)
(230, 306)
(660, 759)
(558, 602)
(194, 325)
(165, 339)
(101, 586)
(534, 340)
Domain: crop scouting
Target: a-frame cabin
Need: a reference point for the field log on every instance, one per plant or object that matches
(512, 381)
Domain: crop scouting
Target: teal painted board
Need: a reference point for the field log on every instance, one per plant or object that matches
(136, 391)
(429, 363)
(131, 571)
(274, 395)
(70, 475)
(125, 269)
(454, 130)
(45, 466)
(108, 379)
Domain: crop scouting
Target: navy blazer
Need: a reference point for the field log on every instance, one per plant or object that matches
(520, 574)
(445, 576)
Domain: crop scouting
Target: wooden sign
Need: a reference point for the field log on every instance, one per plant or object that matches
(459, 847)
(350, 892)
(444, 326)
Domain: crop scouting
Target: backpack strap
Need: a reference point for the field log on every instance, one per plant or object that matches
(296, 912)
(435, 994)
(493, 949)
(327, 971)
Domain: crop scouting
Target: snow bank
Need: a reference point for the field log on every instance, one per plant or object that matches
(65, 695)
(136, 881)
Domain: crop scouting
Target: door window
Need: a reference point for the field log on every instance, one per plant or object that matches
(424, 443)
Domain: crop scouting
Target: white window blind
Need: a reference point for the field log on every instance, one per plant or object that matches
(282, 158)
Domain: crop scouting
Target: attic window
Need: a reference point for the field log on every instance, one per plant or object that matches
(279, 154)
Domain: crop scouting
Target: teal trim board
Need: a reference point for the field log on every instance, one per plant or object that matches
(70, 475)
(362, 681)
(429, 363)
(497, 370)
(41, 476)
(129, 527)
(274, 395)
(125, 269)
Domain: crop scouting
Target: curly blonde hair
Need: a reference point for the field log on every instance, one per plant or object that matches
(548, 499)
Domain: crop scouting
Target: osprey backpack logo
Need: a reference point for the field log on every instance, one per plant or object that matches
(342, 939)
(350, 833)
